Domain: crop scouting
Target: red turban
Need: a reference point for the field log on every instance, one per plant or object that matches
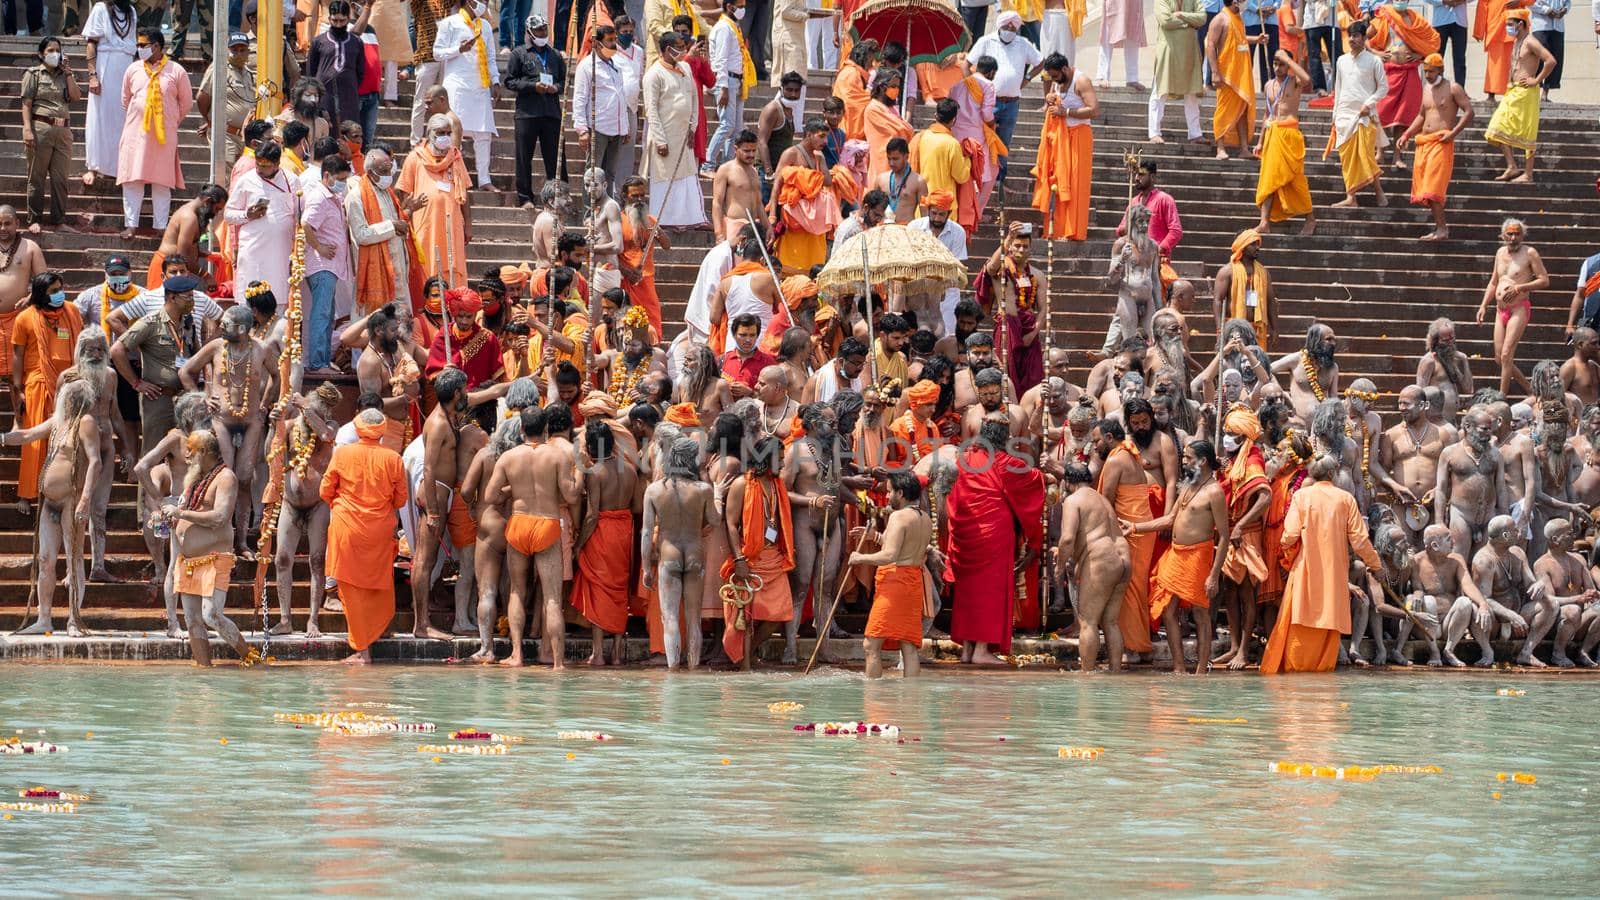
(462, 300)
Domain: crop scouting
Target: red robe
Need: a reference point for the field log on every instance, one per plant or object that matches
(994, 498)
(483, 365)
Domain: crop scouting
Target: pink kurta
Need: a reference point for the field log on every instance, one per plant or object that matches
(143, 156)
(1123, 24)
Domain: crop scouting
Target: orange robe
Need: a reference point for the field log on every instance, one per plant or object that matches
(1246, 476)
(809, 214)
(1324, 522)
(1132, 504)
(46, 338)
(1236, 92)
(882, 123)
(1432, 167)
(641, 293)
(1180, 575)
(365, 486)
(850, 85)
(897, 605)
(1284, 485)
(439, 227)
(1062, 178)
(600, 586)
(913, 441)
(773, 602)
(1489, 29)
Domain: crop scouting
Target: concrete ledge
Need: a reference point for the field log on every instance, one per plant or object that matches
(150, 647)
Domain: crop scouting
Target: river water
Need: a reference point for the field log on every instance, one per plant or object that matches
(706, 792)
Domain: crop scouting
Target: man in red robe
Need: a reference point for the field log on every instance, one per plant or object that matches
(997, 499)
(471, 348)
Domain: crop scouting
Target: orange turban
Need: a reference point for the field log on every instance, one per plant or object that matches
(923, 392)
(371, 432)
(1241, 420)
(1521, 15)
(796, 288)
(1246, 238)
(462, 300)
(598, 405)
(1433, 61)
(684, 415)
(940, 199)
(510, 275)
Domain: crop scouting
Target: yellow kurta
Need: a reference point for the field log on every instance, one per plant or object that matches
(938, 158)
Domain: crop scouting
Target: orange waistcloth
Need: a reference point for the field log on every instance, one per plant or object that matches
(1181, 575)
(47, 340)
(641, 293)
(1489, 28)
(463, 529)
(1248, 558)
(600, 585)
(529, 535)
(364, 487)
(897, 605)
(772, 603)
(1272, 533)
(882, 123)
(1432, 167)
(1063, 176)
(850, 85)
(1236, 92)
(1324, 523)
(1283, 171)
(154, 275)
(7, 319)
(202, 576)
(396, 434)
(806, 205)
(367, 612)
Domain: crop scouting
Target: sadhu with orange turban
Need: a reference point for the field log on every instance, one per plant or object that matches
(940, 200)
(1244, 281)
(915, 433)
(1244, 483)
(1435, 159)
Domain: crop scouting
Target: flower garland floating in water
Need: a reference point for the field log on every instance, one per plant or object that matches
(1349, 773)
(467, 749)
(850, 729)
(1030, 659)
(44, 793)
(472, 734)
(41, 807)
(367, 729)
(1510, 692)
(1080, 752)
(13, 746)
(583, 736)
(1518, 777)
(785, 706)
(326, 720)
(1198, 720)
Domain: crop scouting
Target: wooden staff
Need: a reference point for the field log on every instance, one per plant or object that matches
(838, 596)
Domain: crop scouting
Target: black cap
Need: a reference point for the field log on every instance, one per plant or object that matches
(177, 284)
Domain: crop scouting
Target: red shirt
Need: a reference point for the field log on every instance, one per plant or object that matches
(746, 370)
(1166, 229)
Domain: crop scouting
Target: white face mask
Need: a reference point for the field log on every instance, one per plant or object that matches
(52, 59)
(1230, 443)
(441, 142)
(478, 9)
(1007, 35)
(1511, 30)
(1434, 79)
(738, 14)
(144, 53)
(541, 42)
(384, 181)
(338, 188)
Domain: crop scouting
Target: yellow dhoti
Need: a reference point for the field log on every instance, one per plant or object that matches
(1515, 122)
(1283, 171)
(1358, 157)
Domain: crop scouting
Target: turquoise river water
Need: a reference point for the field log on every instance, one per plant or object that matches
(1172, 806)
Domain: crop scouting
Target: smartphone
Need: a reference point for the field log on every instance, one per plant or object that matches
(1026, 230)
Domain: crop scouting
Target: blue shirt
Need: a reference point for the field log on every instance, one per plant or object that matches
(834, 146)
(1252, 12)
(1212, 7)
(1448, 15)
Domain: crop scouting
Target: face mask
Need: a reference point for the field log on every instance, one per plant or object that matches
(892, 93)
(144, 52)
(1511, 30)
(384, 181)
(441, 142)
(57, 298)
(52, 59)
(738, 14)
(1230, 443)
(339, 32)
(1434, 79)
(541, 42)
(118, 283)
(624, 41)
(478, 9)
(338, 188)
(1007, 35)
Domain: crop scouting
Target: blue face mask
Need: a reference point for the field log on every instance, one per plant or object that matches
(624, 41)
(118, 282)
(58, 298)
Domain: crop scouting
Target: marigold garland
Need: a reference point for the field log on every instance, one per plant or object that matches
(1311, 376)
(583, 736)
(466, 749)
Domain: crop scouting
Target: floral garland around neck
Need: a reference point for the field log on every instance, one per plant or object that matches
(1311, 376)
(242, 409)
(624, 380)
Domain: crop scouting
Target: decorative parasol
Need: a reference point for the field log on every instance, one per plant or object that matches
(930, 30)
(895, 253)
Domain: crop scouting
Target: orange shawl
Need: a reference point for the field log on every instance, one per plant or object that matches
(374, 271)
(850, 85)
(753, 519)
(1419, 36)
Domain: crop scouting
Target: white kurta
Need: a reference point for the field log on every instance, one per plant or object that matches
(671, 98)
(954, 239)
(717, 263)
(1360, 80)
(114, 53)
(265, 244)
(470, 99)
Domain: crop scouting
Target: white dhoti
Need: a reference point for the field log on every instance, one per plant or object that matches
(1056, 35)
(678, 203)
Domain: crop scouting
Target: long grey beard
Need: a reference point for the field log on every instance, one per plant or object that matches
(95, 375)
